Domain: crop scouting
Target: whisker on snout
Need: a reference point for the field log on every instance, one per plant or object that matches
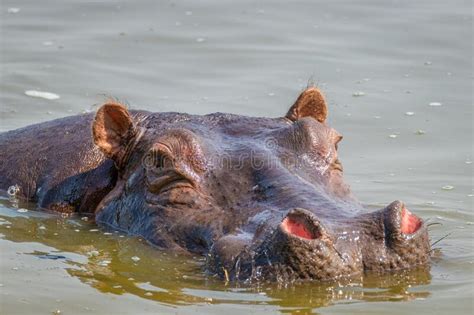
(434, 224)
(442, 238)
(428, 225)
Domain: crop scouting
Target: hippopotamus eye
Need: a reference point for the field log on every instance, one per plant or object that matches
(163, 162)
(165, 172)
(156, 160)
(337, 138)
(337, 165)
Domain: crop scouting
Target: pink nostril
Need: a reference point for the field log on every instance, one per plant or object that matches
(410, 222)
(299, 229)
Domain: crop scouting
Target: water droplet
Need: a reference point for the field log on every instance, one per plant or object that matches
(434, 104)
(13, 190)
(410, 113)
(13, 10)
(393, 136)
(358, 93)
(76, 230)
(22, 210)
(44, 95)
(420, 132)
(42, 227)
(447, 187)
(84, 218)
(104, 263)
(93, 230)
(93, 253)
(135, 258)
(149, 294)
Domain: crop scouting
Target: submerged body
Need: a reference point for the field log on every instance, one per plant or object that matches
(261, 197)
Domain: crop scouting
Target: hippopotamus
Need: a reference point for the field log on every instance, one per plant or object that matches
(260, 198)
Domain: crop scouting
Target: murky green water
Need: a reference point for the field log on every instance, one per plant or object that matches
(250, 57)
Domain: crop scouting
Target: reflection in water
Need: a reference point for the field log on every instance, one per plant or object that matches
(118, 264)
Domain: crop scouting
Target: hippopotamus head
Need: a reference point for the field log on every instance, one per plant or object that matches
(260, 197)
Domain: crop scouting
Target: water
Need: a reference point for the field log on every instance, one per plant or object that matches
(375, 60)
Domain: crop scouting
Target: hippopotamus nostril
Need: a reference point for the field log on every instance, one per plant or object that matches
(410, 223)
(298, 228)
(400, 222)
(302, 224)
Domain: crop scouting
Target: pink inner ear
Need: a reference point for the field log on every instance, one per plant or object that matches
(296, 228)
(410, 222)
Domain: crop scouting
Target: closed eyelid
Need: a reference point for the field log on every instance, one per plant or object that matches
(162, 149)
(183, 148)
(337, 137)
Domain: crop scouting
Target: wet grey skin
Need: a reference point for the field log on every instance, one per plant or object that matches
(261, 198)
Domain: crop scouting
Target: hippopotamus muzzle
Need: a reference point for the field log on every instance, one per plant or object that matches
(304, 246)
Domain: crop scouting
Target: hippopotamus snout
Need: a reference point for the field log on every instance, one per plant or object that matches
(388, 239)
(305, 246)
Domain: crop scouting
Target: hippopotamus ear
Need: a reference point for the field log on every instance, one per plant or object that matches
(113, 129)
(310, 103)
